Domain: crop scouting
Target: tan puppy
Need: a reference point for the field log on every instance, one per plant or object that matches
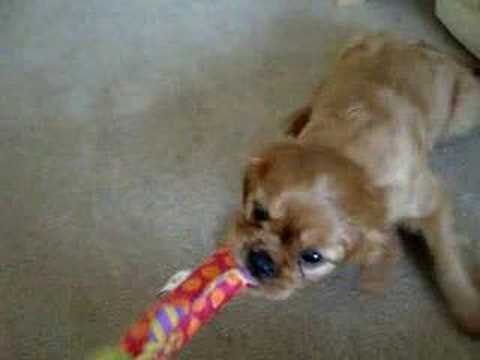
(355, 166)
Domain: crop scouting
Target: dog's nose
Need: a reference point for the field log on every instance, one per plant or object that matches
(260, 264)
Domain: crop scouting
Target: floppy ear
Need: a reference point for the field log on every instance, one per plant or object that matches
(257, 166)
(298, 120)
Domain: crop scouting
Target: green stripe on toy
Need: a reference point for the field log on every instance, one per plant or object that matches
(171, 322)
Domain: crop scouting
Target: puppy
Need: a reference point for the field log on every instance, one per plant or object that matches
(354, 166)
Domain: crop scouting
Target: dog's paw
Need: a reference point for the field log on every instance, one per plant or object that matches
(173, 282)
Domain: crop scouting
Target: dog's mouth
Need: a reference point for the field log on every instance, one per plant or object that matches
(276, 283)
(275, 272)
(274, 289)
(280, 282)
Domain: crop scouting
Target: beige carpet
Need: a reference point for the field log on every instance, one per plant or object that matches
(123, 128)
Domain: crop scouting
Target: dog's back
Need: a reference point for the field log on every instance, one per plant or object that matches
(384, 107)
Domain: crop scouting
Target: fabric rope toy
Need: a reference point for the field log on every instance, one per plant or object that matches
(171, 322)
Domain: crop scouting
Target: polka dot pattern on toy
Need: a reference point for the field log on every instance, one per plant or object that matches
(170, 323)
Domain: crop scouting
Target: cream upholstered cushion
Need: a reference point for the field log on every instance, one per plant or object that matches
(462, 18)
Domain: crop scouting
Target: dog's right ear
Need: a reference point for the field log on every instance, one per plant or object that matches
(298, 120)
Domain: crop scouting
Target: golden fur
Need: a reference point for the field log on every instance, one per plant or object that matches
(355, 165)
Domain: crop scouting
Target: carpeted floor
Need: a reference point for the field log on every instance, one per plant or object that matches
(123, 129)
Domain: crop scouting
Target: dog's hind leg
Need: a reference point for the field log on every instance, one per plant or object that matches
(445, 244)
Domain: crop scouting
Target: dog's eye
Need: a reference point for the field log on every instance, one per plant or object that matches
(311, 256)
(260, 214)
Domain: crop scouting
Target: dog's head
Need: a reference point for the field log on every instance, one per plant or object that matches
(305, 211)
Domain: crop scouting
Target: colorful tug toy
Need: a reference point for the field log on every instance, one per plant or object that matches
(171, 322)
